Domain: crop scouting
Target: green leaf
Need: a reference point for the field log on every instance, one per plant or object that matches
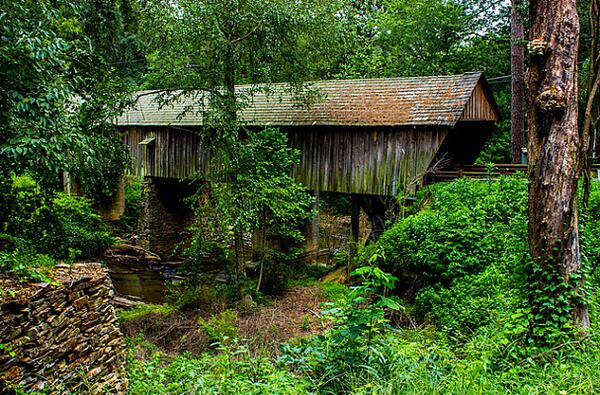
(390, 304)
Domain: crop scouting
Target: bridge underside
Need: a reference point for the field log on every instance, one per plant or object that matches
(371, 164)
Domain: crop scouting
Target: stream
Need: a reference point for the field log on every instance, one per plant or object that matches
(140, 281)
(139, 275)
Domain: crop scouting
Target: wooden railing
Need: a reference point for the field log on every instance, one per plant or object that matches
(482, 171)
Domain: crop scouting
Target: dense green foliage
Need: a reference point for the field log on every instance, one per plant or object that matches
(44, 228)
(233, 371)
(253, 194)
(209, 44)
(408, 362)
(394, 40)
(464, 258)
(57, 94)
(359, 321)
(145, 309)
(82, 228)
(22, 262)
(466, 249)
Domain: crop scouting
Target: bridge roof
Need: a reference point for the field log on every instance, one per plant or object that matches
(439, 101)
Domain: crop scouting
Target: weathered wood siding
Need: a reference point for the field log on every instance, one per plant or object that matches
(381, 161)
(374, 161)
(175, 153)
(479, 107)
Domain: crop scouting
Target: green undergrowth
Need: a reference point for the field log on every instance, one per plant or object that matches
(42, 227)
(232, 370)
(463, 262)
(407, 362)
(136, 312)
(22, 262)
(333, 291)
(430, 367)
(457, 321)
(466, 249)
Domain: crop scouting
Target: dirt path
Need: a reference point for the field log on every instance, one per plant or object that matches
(295, 314)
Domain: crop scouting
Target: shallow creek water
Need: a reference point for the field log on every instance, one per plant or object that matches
(140, 281)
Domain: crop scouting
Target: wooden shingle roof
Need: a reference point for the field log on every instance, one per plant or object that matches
(441, 101)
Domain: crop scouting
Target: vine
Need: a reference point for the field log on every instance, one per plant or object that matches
(554, 299)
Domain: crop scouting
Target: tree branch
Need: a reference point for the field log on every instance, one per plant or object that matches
(244, 37)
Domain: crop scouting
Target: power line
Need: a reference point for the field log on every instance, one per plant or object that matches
(499, 80)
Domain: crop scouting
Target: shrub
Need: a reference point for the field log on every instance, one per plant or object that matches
(189, 295)
(471, 302)
(359, 320)
(460, 232)
(332, 291)
(232, 371)
(82, 227)
(221, 329)
(412, 362)
(144, 310)
(31, 218)
(57, 225)
(22, 262)
(468, 250)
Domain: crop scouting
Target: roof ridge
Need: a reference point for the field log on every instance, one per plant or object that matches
(332, 81)
(374, 101)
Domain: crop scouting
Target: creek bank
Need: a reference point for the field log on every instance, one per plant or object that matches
(292, 315)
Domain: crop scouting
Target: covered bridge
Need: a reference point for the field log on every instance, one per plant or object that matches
(356, 136)
(361, 137)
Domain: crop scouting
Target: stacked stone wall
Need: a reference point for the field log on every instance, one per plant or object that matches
(63, 336)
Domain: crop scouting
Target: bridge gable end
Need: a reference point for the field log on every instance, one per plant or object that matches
(481, 105)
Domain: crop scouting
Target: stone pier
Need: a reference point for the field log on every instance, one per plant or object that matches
(165, 216)
(112, 208)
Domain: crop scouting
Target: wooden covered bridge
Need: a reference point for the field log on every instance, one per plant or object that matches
(371, 137)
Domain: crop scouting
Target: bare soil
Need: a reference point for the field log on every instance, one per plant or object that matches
(295, 314)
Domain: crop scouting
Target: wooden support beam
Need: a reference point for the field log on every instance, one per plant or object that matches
(354, 224)
(311, 243)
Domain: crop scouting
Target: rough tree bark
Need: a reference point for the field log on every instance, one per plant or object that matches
(589, 136)
(554, 143)
(517, 62)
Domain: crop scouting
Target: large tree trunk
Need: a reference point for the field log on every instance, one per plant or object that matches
(517, 62)
(554, 147)
(592, 108)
